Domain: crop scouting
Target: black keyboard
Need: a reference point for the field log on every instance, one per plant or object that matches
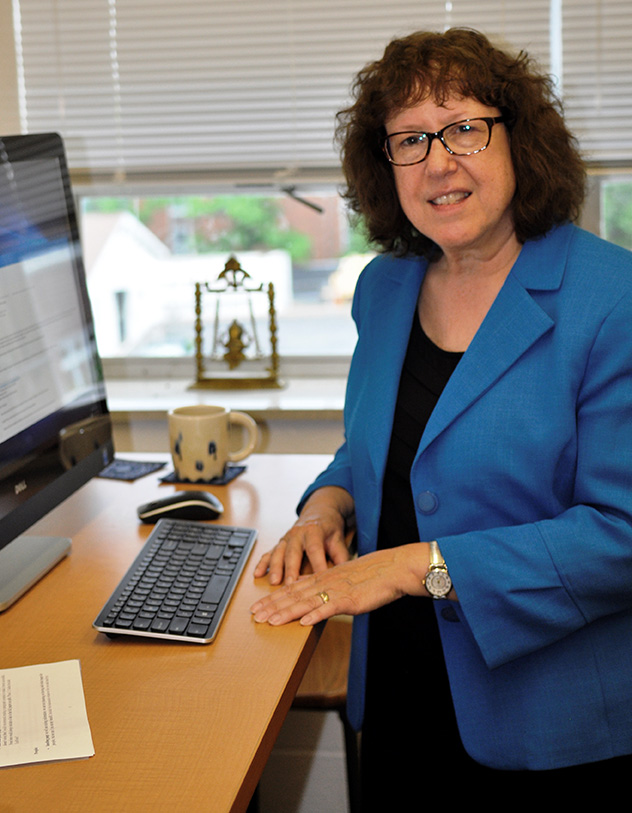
(180, 584)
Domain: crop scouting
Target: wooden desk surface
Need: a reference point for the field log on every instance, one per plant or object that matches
(175, 726)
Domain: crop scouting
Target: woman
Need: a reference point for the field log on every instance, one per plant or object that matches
(489, 426)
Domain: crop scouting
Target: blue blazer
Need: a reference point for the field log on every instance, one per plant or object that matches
(524, 476)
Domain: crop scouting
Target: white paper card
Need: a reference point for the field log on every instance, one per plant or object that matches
(43, 714)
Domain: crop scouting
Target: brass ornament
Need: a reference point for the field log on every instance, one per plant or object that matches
(237, 346)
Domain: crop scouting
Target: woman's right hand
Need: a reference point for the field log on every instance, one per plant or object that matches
(319, 536)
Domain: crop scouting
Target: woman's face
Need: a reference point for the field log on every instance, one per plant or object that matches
(462, 203)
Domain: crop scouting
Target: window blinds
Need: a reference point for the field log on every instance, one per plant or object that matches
(157, 89)
(597, 58)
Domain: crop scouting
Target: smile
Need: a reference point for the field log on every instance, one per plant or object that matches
(451, 197)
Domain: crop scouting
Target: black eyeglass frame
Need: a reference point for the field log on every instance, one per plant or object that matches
(489, 120)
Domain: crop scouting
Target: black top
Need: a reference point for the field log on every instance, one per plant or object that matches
(425, 373)
(405, 660)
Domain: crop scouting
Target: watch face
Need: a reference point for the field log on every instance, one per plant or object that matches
(438, 583)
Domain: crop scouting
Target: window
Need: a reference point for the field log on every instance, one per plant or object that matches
(193, 100)
(616, 209)
(144, 255)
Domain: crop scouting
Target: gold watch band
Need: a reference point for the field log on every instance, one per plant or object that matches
(436, 559)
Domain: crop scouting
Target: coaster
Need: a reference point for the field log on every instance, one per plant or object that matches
(230, 473)
(129, 469)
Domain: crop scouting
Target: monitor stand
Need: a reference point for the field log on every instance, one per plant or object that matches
(24, 561)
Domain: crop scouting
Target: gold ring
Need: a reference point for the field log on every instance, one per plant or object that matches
(324, 596)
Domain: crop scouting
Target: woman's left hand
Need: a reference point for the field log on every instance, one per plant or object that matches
(351, 588)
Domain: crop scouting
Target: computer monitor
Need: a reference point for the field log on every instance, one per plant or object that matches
(55, 430)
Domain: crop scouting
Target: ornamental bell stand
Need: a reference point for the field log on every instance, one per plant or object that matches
(236, 355)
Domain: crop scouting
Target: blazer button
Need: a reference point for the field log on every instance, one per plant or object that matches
(450, 614)
(427, 502)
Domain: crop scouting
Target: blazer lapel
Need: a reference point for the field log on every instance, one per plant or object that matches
(387, 353)
(513, 324)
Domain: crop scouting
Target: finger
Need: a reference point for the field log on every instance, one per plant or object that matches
(316, 616)
(277, 563)
(338, 551)
(262, 566)
(294, 555)
(290, 608)
(325, 608)
(314, 546)
(283, 598)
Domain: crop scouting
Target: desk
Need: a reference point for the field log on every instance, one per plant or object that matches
(175, 726)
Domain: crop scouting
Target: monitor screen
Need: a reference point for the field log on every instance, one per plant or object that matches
(55, 431)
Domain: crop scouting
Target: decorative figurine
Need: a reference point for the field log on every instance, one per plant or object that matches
(231, 347)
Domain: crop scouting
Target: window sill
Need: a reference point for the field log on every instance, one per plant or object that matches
(301, 398)
(304, 417)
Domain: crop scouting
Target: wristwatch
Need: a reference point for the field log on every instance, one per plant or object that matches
(437, 582)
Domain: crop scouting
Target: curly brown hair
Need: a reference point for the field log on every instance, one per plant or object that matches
(550, 173)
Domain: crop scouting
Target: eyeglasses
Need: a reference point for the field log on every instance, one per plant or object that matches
(466, 137)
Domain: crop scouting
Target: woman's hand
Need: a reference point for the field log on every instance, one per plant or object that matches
(350, 588)
(319, 535)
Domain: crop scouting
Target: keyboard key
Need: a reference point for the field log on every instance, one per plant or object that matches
(215, 589)
(198, 630)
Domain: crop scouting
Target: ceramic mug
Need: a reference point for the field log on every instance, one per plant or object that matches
(199, 440)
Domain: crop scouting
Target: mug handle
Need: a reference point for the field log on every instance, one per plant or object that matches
(241, 419)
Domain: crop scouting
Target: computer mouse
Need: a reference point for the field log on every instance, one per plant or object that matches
(182, 505)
